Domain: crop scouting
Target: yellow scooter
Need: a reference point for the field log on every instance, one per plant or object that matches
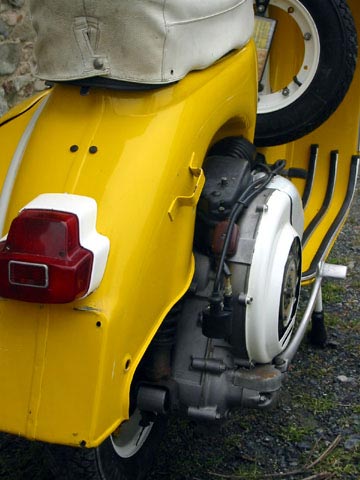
(154, 241)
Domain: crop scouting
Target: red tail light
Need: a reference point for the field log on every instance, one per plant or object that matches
(42, 260)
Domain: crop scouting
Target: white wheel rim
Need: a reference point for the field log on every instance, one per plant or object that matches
(131, 436)
(273, 101)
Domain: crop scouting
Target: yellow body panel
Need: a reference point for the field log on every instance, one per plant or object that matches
(340, 132)
(66, 370)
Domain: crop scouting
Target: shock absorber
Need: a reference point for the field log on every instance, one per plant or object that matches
(157, 360)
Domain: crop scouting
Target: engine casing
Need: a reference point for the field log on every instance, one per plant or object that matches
(215, 375)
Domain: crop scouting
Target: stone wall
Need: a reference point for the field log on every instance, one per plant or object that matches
(16, 61)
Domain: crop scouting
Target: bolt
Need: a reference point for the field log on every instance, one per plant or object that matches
(224, 181)
(221, 209)
(262, 208)
(245, 299)
(93, 149)
(291, 10)
(74, 148)
(98, 64)
(285, 92)
(307, 36)
(261, 9)
(279, 361)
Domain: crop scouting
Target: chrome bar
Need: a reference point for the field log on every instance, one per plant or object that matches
(328, 239)
(318, 302)
(314, 153)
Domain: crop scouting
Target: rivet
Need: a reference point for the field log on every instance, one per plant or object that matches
(307, 36)
(74, 148)
(93, 149)
(98, 64)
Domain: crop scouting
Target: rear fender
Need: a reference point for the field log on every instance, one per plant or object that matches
(67, 369)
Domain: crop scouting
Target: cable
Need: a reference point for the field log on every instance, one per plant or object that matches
(243, 202)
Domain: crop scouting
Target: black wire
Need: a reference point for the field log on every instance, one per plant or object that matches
(243, 202)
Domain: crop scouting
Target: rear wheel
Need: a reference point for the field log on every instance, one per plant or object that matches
(312, 62)
(126, 455)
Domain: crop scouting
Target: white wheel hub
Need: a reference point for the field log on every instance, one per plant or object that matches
(131, 436)
(270, 101)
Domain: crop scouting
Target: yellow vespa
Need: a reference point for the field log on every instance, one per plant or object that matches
(161, 204)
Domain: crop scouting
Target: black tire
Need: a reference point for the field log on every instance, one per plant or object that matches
(103, 462)
(337, 42)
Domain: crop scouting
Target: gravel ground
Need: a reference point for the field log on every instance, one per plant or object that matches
(318, 411)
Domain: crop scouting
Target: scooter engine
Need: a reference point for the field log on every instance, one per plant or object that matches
(250, 224)
(241, 310)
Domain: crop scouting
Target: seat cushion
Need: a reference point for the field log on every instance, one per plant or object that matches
(146, 41)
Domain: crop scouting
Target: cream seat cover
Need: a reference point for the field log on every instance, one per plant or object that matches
(145, 41)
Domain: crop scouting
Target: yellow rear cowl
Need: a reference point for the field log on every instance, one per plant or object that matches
(67, 369)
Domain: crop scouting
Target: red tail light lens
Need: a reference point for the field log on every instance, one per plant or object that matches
(42, 259)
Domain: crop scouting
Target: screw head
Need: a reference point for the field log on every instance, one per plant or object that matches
(98, 64)
(262, 208)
